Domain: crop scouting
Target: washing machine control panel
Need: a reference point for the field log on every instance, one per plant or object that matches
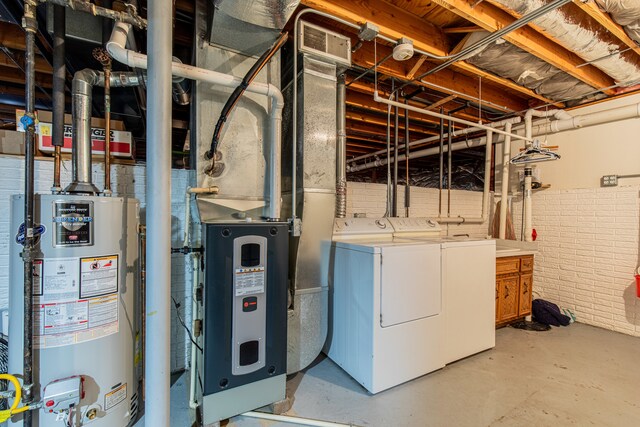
(361, 226)
(415, 225)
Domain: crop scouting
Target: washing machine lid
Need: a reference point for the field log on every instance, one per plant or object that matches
(449, 242)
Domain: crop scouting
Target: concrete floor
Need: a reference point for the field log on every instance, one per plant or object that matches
(578, 375)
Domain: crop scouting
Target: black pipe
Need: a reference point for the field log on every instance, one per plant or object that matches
(414, 93)
(59, 80)
(394, 206)
(449, 160)
(107, 24)
(237, 93)
(407, 187)
(30, 25)
(441, 162)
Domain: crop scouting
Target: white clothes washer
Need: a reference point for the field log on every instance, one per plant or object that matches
(385, 310)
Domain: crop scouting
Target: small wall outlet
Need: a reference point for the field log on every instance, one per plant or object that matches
(609, 181)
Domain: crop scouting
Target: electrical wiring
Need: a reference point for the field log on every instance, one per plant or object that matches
(175, 303)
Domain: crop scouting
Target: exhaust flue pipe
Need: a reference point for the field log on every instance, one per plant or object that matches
(83, 83)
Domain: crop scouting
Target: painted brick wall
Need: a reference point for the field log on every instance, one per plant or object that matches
(126, 181)
(371, 200)
(588, 243)
(588, 252)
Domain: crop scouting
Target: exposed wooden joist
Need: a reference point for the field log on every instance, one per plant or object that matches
(380, 119)
(414, 69)
(465, 86)
(371, 128)
(395, 23)
(41, 65)
(462, 30)
(15, 75)
(592, 9)
(367, 89)
(362, 100)
(440, 103)
(492, 18)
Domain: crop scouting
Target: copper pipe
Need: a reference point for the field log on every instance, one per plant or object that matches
(103, 57)
(57, 159)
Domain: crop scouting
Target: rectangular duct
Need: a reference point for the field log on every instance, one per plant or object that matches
(249, 26)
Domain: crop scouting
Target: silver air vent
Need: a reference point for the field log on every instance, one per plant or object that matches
(324, 44)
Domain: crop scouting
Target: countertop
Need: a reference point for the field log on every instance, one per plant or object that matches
(507, 248)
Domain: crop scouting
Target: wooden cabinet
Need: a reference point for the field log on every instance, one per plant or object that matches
(514, 281)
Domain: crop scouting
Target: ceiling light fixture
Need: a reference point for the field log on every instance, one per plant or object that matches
(403, 50)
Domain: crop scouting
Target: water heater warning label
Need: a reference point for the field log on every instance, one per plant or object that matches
(69, 311)
(249, 281)
(99, 276)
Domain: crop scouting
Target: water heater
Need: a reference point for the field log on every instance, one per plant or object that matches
(245, 321)
(86, 342)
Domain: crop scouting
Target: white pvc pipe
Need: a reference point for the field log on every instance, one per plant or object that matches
(485, 192)
(294, 420)
(378, 98)
(454, 134)
(195, 268)
(487, 176)
(158, 298)
(506, 157)
(527, 190)
(528, 215)
(116, 48)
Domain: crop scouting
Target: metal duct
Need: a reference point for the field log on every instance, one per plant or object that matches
(509, 61)
(316, 181)
(626, 13)
(591, 44)
(83, 83)
(249, 26)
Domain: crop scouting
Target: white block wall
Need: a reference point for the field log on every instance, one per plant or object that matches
(126, 181)
(588, 243)
(370, 199)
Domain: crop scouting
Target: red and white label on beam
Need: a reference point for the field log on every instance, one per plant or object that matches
(120, 141)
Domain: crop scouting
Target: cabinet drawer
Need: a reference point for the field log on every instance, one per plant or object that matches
(526, 264)
(507, 265)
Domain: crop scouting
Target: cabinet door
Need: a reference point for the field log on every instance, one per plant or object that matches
(508, 287)
(524, 306)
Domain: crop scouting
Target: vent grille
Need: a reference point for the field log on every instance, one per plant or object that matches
(325, 44)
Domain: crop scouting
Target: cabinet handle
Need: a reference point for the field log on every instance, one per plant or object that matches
(506, 291)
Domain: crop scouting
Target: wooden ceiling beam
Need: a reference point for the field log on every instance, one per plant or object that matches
(592, 9)
(15, 75)
(367, 89)
(466, 87)
(370, 128)
(462, 30)
(392, 21)
(492, 18)
(395, 22)
(381, 120)
(42, 66)
(361, 100)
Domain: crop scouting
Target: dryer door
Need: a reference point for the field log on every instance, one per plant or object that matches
(410, 283)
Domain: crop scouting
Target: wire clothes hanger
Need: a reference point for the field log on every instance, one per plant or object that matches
(534, 153)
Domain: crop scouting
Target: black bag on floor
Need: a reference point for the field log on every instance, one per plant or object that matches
(548, 313)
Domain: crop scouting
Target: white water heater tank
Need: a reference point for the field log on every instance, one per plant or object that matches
(86, 306)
